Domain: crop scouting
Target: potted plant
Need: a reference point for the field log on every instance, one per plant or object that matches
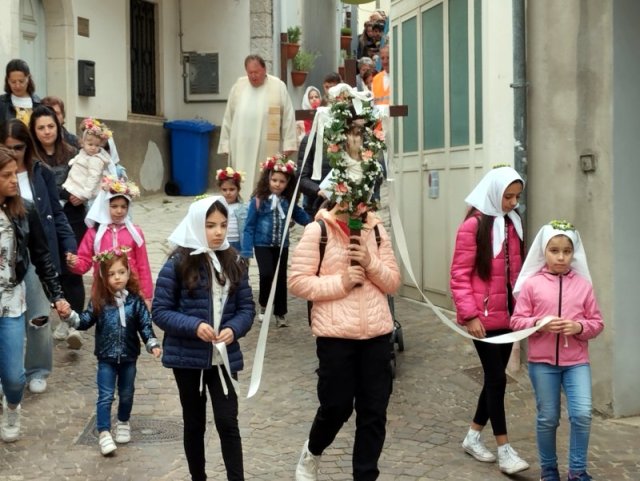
(293, 40)
(345, 38)
(303, 62)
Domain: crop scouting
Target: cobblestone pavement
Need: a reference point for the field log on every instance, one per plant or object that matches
(434, 396)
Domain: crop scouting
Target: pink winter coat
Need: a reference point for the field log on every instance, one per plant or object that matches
(568, 297)
(473, 297)
(115, 236)
(359, 313)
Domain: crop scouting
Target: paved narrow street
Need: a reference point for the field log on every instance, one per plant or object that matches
(434, 396)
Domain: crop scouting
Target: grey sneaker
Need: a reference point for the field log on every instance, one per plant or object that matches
(281, 321)
(107, 446)
(37, 385)
(74, 339)
(509, 460)
(10, 428)
(307, 469)
(474, 446)
(61, 332)
(123, 432)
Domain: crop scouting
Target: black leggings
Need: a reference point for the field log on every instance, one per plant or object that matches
(494, 359)
(267, 258)
(194, 415)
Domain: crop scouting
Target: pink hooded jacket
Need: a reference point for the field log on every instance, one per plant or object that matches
(359, 313)
(566, 296)
(474, 297)
(115, 236)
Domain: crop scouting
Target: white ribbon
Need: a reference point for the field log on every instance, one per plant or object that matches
(275, 204)
(316, 134)
(121, 297)
(357, 97)
(219, 296)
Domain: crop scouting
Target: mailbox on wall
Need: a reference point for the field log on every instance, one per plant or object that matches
(87, 78)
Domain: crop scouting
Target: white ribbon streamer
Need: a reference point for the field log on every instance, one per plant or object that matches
(121, 297)
(275, 204)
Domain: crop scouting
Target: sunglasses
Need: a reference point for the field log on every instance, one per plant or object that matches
(17, 147)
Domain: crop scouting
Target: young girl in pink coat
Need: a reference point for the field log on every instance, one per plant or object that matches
(486, 263)
(555, 287)
(110, 226)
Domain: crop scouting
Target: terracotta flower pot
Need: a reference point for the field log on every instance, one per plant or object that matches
(298, 78)
(292, 49)
(345, 43)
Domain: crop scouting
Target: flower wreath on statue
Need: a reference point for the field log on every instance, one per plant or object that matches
(353, 146)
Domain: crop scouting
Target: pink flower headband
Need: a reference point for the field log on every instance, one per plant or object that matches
(95, 127)
(111, 253)
(279, 163)
(120, 186)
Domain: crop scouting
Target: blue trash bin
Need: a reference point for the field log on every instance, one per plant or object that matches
(189, 155)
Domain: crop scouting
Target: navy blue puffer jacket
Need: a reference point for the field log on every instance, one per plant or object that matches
(178, 313)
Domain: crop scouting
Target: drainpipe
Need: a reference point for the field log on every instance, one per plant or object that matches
(519, 87)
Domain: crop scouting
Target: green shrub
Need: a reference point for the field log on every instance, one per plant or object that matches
(293, 34)
(345, 32)
(304, 61)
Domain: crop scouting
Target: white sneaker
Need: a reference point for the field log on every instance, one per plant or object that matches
(474, 446)
(107, 446)
(61, 332)
(74, 339)
(307, 469)
(509, 461)
(281, 321)
(10, 429)
(37, 385)
(123, 432)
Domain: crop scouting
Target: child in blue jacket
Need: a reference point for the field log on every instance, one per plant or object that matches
(265, 228)
(203, 303)
(120, 316)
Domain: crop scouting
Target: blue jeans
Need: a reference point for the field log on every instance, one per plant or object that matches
(38, 359)
(576, 383)
(108, 373)
(12, 358)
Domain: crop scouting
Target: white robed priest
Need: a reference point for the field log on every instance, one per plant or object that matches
(259, 120)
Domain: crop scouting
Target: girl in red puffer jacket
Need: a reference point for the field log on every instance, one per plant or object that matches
(486, 263)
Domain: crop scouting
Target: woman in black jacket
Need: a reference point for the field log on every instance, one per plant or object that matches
(37, 185)
(22, 240)
(19, 98)
(51, 149)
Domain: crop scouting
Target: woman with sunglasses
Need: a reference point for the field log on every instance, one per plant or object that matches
(37, 185)
(19, 98)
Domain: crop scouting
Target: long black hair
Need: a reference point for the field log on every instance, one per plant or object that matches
(189, 266)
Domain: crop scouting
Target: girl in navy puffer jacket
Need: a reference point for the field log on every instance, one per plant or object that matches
(203, 303)
(120, 316)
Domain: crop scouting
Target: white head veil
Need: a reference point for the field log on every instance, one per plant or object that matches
(99, 214)
(306, 104)
(191, 233)
(487, 198)
(536, 260)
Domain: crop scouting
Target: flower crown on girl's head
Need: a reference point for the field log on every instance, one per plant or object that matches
(230, 174)
(115, 186)
(95, 127)
(111, 253)
(279, 163)
(562, 225)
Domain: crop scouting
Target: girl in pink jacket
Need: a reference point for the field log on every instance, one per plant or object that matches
(555, 288)
(352, 324)
(110, 226)
(486, 263)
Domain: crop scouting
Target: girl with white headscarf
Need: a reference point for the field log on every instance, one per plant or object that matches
(555, 286)
(110, 226)
(203, 303)
(486, 263)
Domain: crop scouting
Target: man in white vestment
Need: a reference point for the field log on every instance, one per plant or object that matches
(259, 121)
